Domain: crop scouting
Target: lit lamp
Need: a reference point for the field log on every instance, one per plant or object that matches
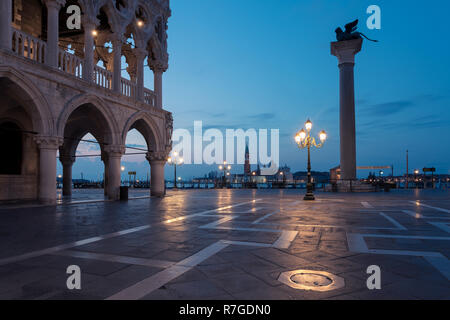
(175, 160)
(305, 141)
(226, 168)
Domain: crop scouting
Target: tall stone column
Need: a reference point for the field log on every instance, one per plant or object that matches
(67, 163)
(105, 174)
(140, 56)
(158, 82)
(345, 51)
(157, 162)
(5, 24)
(158, 67)
(53, 7)
(88, 70)
(48, 146)
(115, 153)
(117, 64)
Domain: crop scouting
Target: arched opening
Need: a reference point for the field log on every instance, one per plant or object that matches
(87, 179)
(12, 145)
(82, 156)
(20, 121)
(136, 172)
(140, 137)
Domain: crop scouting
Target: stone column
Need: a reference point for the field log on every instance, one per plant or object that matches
(113, 172)
(158, 69)
(345, 51)
(67, 163)
(140, 56)
(5, 25)
(117, 64)
(105, 174)
(158, 75)
(53, 7)
(88, 68)
(48, 147)
(157, 162)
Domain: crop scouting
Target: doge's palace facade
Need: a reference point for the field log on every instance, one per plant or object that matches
(58, 84)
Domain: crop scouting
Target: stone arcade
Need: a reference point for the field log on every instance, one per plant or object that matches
(53, 90)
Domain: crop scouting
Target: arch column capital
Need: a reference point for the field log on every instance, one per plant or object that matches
(47, 142)
(158, 66)
(66, 160)
(114, 151)
(140, 53)
(55, 4)
(89, 22)
(157, 156)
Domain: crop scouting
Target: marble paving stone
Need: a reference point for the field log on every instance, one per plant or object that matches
(199, 289)
(247, 268)
(240, 283)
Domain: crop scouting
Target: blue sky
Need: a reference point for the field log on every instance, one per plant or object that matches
(267, 64)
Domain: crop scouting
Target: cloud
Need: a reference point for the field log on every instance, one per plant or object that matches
(425, 122)
(396, 106)
(262, 116)
(88, 149)
(387, 108)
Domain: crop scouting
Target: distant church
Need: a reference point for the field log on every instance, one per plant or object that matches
(247, 167)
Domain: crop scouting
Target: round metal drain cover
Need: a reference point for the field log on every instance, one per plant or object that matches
(311, 280)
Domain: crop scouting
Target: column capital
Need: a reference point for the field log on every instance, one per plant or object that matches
(114, 150)
(158, 65)
(140, 53)
(157, 156)
(117, 39)
(56, 4)
(89, 22)
(345, 51)
(46, 142)
(66, 160)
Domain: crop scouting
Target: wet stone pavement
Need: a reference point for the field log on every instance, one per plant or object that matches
(230, 244)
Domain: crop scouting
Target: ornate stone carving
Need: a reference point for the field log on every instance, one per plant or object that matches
(57, 4)
(169, 131)
(114, 150)
(158, 57)
(157, 156)
(45, 142)
(345, 51)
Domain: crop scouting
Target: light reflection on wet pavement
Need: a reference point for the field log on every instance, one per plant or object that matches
(227, 244)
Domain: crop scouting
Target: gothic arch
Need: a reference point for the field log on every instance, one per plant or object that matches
(38, 109)
(148, 128)
(99, 105)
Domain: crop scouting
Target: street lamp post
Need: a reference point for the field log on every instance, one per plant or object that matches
(226, 168)
(122, 169)
(305, 141)
(416, 172)
(175, 160)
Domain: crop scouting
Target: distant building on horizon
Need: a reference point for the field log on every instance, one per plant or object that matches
(247, 167)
